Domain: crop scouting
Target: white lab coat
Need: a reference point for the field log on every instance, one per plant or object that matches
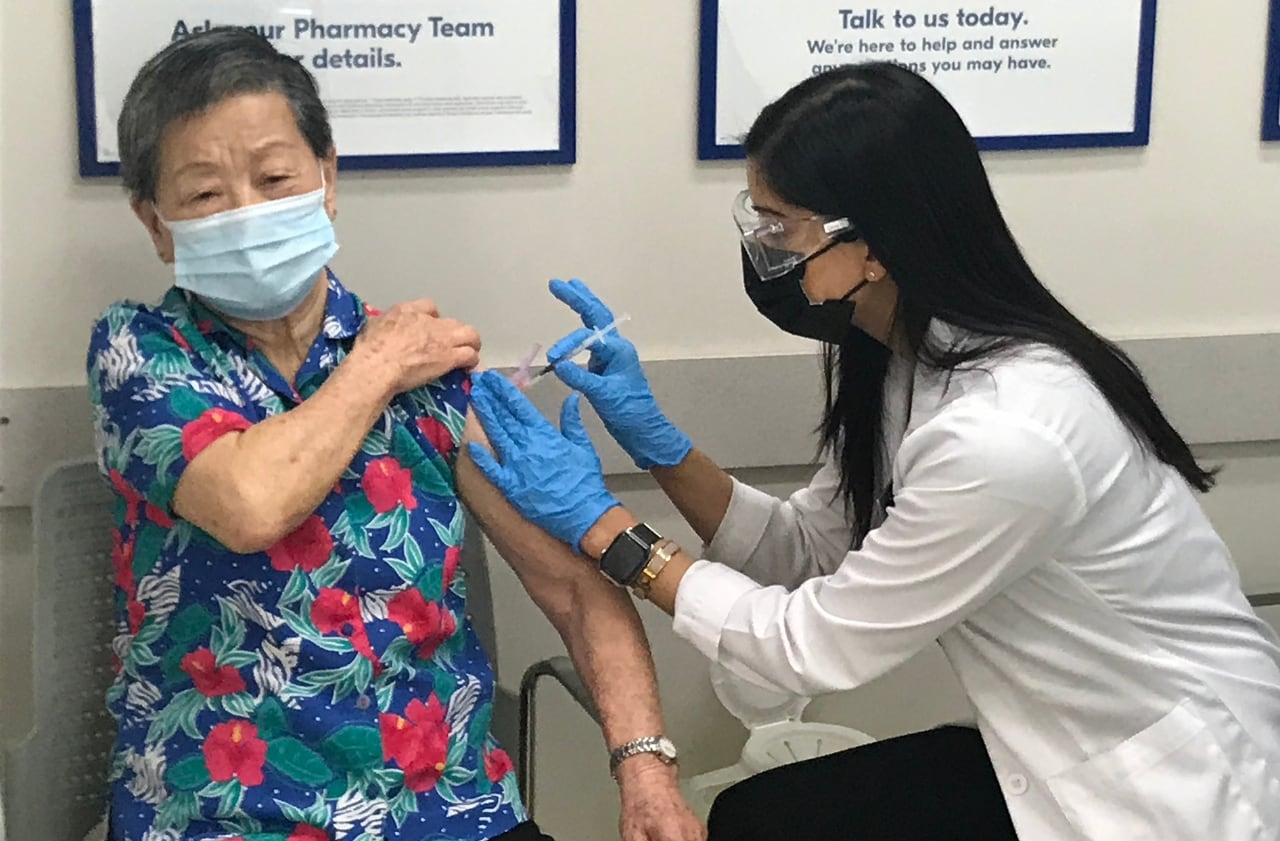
(1123, 686)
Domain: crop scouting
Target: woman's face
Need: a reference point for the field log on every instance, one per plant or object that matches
(244, 150)
(830, 276)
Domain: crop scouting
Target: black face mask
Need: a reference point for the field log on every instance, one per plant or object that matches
(782, 301)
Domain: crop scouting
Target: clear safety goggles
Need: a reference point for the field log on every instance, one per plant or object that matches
(777, 244)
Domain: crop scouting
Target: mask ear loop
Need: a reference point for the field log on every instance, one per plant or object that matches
(851, 235)
(846, 296)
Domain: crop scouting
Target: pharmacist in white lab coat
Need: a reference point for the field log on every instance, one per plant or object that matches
(999, 480)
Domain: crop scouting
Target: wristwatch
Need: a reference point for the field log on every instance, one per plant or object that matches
(659, 746)
(628, 555)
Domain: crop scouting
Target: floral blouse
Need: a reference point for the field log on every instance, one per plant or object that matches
(327, 689)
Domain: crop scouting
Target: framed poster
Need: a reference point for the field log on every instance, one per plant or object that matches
(408, 83)
(1271, 108)
(1038, 75)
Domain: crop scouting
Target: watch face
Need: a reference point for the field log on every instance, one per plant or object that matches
(668, 748)
(626, 557)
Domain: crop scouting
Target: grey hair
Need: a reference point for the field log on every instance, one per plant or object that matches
(195, 73)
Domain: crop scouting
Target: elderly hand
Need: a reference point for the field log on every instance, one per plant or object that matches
(416, 345)
(653, 809)
(551, 476)
(616, 386)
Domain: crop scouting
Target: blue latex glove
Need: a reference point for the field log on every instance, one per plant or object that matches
(616, 385)
(552, 477)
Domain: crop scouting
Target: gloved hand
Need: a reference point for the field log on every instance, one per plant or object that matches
(616, 385)
(552, 477)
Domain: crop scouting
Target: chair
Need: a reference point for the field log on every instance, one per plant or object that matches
(776, 736)
(73, 618)
(55, 777)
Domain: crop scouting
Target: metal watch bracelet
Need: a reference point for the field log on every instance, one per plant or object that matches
(659, 746)
(659, 557)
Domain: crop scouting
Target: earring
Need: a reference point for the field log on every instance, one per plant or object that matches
(871, 277)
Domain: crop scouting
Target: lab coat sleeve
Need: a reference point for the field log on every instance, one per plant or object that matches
(773, 541)
(984, 497)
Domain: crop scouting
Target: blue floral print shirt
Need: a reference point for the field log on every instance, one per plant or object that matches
(329, 688)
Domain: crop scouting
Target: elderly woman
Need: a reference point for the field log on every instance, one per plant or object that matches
(294, 657)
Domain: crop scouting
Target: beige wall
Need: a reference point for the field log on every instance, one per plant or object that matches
(1177, 239)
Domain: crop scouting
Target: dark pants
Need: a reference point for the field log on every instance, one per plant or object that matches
(933, 786)
(527, 831)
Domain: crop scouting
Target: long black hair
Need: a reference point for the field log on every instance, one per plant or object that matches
(878, 144)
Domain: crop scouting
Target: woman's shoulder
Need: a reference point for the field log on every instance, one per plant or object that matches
(1031, 394)
(1012, 428)
(130, 337)
(135, 316)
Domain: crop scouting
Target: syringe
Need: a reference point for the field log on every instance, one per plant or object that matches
(582, 347)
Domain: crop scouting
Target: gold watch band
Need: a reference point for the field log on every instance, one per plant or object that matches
(659, 557)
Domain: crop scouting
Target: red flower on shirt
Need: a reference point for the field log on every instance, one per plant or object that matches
(137, 615)
(180, 339)
(233, 750)
(387, 484)
(211, 680)
(466, 386)
(307, 547)
(438, 434)
(452, 556)
(372, 312)
(418, 742)
(304, 832)
(425, 624)
(497, 764)
(123, 487)
(122, 563)
(131, 497)
(209, 427)
(159, 517)
(337, 611)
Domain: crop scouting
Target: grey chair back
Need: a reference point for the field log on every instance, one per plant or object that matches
(55, 777)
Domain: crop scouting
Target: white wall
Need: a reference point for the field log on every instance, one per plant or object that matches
(1177, 239)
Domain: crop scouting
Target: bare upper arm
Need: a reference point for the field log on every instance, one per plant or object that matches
(205, 492)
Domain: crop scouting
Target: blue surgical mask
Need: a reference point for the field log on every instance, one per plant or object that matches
(256, 263)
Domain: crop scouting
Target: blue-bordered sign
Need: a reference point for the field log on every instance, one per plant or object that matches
(1041, 74)
(1271, 109)
(408, 83)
